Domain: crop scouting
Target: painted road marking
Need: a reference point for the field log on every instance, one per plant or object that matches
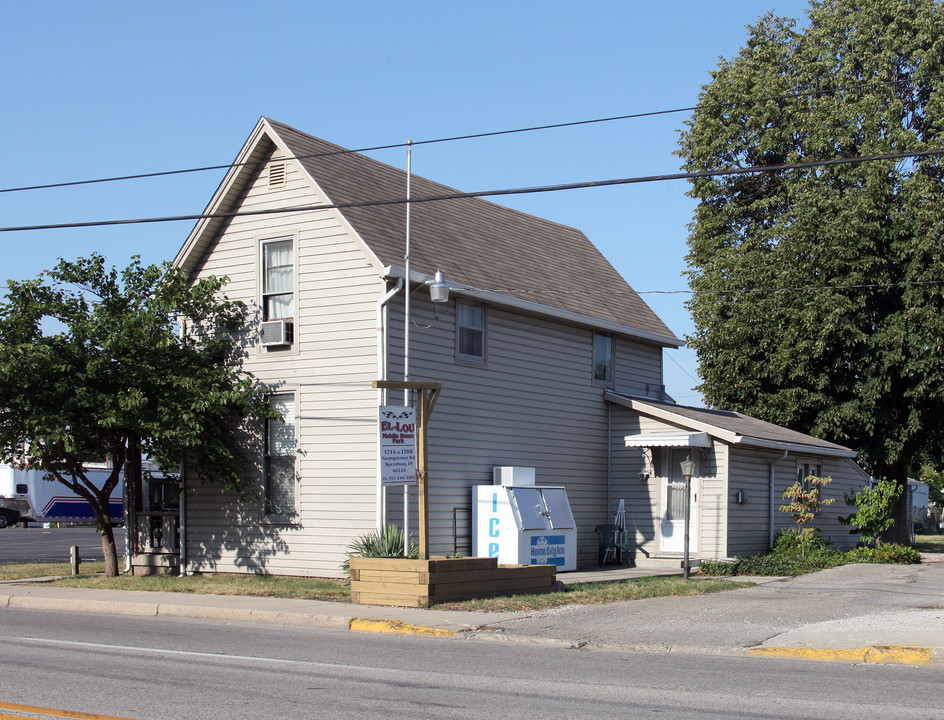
(884, 654)
(50, 712)
(213, 656)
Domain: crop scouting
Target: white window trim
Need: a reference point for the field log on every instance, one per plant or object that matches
(461, 357)
(271, 518)
(261, 242)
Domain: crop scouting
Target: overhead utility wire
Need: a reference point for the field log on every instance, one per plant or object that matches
(736, 291)
(486, 193)
(473, 136)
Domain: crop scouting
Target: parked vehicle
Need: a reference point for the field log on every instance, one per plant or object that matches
(26, 496)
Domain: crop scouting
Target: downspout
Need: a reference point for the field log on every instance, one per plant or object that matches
(609, 456)
(382, 375)
(182, 498)
(772, 491)
(182, 521)
(126, 501)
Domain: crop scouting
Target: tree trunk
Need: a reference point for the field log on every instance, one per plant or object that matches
(109, 549)
(898, 533)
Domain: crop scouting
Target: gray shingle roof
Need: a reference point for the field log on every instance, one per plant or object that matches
(473, 241)
(743, 428)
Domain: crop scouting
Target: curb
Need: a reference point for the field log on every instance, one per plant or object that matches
(877, 654)
(395, 626)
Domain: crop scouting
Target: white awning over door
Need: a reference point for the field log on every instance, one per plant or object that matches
(669, 439)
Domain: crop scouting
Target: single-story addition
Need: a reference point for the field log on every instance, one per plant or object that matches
(742, 467)
(548, 359)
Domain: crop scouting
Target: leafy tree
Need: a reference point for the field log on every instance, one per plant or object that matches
(874, 514)
(805, 504)
(93, 365)
(818, 300)
(934, 479)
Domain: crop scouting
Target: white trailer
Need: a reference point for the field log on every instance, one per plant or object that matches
(25, 495)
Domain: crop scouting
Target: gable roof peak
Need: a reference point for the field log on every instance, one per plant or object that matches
(476, 243)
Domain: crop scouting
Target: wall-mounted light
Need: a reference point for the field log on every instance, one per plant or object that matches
(740, 497)
(438, 289)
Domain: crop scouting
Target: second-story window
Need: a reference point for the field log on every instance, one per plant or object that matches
(470, 332)
(278, 280)
(602, 358)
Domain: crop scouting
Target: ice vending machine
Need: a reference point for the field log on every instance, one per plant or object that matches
(521, 523)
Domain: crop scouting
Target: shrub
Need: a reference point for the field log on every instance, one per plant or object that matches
(895, 554)
(718, 567)
(388, 543)
(806, 501)
(875, 507)
(789, 543)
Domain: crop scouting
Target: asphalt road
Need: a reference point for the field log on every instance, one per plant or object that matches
(158, 668)
(38, 544)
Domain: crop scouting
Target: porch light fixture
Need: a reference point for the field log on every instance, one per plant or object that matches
(688, 469)
(438, 289)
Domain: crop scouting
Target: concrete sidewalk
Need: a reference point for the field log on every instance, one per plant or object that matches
(838, 614)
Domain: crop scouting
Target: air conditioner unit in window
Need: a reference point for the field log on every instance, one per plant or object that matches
(274, 333)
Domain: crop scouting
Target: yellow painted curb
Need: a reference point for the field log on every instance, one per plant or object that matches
(886, 654)
(395, 626)
(51, 712)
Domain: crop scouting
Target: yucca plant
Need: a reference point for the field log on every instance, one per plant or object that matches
(388, 543)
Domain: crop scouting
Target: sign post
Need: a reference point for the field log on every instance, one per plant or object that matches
(427, 395)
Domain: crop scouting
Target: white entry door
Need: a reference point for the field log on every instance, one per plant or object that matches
(672, 506)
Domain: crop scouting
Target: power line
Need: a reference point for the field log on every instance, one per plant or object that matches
(472, 136)
(736, 291)
(487, 193)
(678, 365)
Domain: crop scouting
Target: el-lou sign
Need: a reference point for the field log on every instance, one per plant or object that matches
(397, 445)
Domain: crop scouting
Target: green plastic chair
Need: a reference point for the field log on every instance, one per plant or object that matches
(612, 537)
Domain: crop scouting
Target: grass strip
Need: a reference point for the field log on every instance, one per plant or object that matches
(595, 593)
(280, 586)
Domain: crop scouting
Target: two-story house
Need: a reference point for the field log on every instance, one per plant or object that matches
(547, 357)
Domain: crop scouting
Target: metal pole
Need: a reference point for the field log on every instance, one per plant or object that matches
(406, 334)
(688, 511)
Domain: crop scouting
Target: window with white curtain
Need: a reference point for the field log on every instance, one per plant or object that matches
(279, 461)
(278, 279)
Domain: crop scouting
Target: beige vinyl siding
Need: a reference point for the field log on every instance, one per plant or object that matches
(331, 367)
(531, 404)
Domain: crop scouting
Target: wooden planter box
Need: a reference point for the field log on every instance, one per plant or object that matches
(421, 583)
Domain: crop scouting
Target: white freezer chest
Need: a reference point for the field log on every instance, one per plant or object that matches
(529, 525)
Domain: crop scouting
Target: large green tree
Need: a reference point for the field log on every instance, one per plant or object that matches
(817, 300)
(93, 365)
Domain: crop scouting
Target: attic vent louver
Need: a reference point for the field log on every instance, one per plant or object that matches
(276, 174)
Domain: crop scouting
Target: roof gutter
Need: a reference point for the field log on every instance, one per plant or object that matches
(728, 436)
(497, 298)
(749, 441)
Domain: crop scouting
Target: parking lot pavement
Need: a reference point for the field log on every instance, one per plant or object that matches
(41, 544)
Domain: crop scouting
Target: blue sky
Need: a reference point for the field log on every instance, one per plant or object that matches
(100, 89)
